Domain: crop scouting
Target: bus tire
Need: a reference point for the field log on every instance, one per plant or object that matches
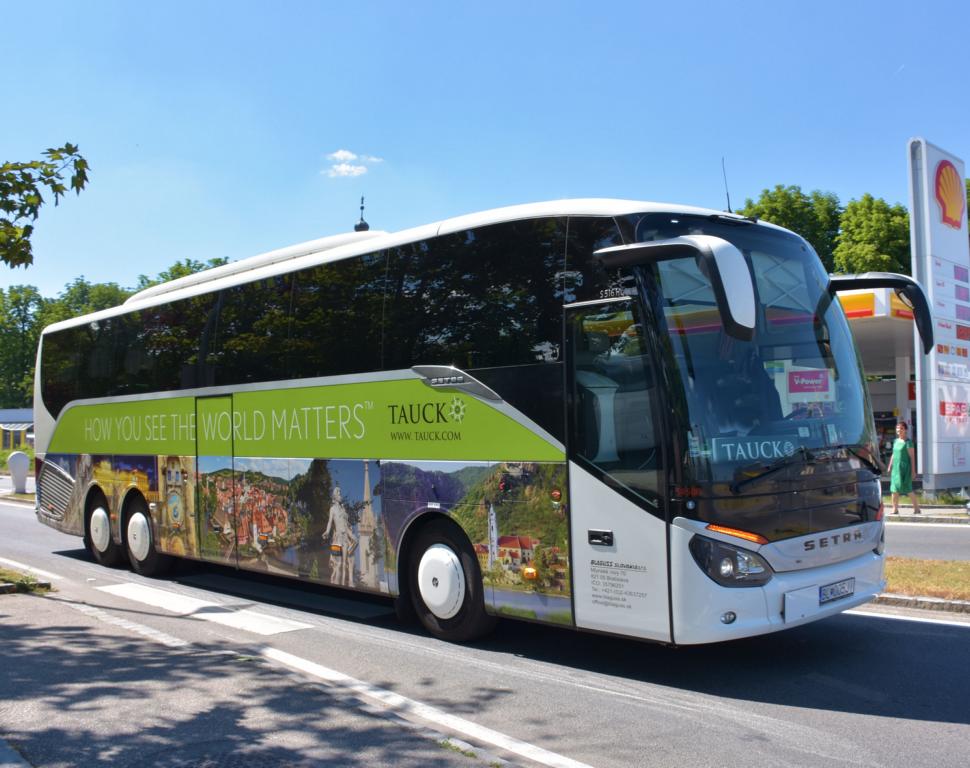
(98, 526)
(140, 542)
(445, 583)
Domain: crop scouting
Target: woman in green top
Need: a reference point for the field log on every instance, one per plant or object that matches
(902, 469)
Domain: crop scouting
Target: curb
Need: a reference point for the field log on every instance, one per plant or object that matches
(924, 518)
(6, 499)
(9, 589)
(923, 603)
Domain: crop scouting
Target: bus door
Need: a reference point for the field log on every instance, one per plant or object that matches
(216, 505)
(618, 512)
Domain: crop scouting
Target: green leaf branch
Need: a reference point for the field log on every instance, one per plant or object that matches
(21, 196)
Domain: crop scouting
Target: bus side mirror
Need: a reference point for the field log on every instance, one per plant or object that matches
(718, 260)
(909, 291)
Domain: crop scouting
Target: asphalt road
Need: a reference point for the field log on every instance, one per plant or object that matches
(928, 541)
(103, 677)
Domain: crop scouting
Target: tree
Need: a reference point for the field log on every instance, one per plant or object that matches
(80, 297)
(19, 330)
(21, 198)
(814, 216)
(179, 269)
(874, 237)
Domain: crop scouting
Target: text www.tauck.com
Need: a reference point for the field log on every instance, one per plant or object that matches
(427, 435)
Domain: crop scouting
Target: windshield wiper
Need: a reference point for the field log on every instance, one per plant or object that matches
(801, 456)
(872, 465)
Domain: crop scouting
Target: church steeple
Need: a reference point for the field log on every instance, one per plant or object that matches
(361, 226)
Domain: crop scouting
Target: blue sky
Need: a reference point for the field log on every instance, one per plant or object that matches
(210, 126)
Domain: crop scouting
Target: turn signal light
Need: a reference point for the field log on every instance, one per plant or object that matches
(882, 508)
(746, 535)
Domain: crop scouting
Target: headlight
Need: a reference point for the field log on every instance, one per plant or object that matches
(728, 565)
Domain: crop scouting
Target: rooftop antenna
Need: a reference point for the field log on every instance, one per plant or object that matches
(361, 226)
(727, 194)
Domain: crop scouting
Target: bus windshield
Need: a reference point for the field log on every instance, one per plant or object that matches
(794, 391)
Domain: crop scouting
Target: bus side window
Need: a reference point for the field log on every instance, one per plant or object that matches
(335, 316)
(488, 301)
(252, 332)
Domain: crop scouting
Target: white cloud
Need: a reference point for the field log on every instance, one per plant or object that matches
(346, 169)
(343, 165)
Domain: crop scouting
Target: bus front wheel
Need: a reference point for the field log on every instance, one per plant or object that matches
(140, 541)
(99, 540)
(446, 584)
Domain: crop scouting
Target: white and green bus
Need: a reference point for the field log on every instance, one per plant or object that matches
(622, 417)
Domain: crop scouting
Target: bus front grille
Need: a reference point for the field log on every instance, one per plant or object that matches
(55, 487)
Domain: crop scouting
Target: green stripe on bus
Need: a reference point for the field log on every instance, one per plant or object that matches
(402, 419)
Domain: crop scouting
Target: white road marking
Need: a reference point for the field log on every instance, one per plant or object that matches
(131, 626)
(388, 700)
(31, 570)
(409, 707)
(895, 617)
(250, 621)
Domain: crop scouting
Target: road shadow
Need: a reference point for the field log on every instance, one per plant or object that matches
(848, 663)
(77, 692)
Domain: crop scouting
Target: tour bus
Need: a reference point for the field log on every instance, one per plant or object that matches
(622, 417)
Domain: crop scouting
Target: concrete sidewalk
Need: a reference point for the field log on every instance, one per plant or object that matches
(84, 693)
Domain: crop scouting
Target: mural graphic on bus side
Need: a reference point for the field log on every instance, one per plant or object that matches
(340, 521)
(315, 519)
(515, 515)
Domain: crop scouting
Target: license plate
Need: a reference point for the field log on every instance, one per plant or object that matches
(831, 592)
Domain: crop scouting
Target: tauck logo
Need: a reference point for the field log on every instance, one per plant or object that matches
(428, 413)
(457, 410)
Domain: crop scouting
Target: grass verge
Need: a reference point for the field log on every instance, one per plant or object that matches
(450, 745)
(948, 579)
(944, 498)
(29, 450)
(22, 581)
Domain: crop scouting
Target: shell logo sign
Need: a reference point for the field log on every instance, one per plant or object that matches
(949, 194)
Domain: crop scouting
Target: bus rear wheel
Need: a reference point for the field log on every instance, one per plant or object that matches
(140, 543)
(105, 551)
(446, 584)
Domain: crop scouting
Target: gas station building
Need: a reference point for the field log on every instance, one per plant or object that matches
(885, 335)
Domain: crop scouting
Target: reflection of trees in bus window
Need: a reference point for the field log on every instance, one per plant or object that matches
(159, 346)
(477, 299)
(252, 331)
(585, 277)
(336, 313)
(64, 354)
